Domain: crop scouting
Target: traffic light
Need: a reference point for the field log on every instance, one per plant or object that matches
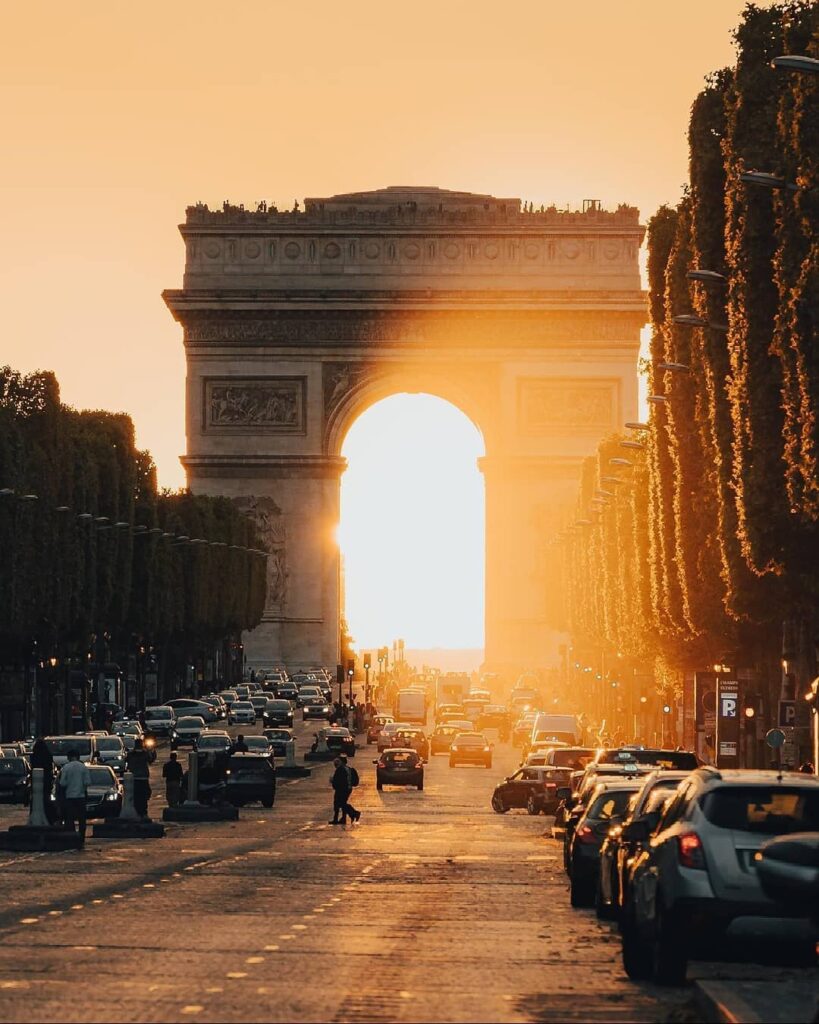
(367, 662)
(351, 667)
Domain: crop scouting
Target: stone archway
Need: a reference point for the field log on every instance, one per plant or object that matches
(296, 322)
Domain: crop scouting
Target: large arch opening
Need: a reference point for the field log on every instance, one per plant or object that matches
(412, 531)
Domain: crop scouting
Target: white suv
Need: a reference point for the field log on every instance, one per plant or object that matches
(694, 886)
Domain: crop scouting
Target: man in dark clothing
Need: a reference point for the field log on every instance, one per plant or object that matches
(341, 781)
(239, 747)
(172, 774)
(139, 764)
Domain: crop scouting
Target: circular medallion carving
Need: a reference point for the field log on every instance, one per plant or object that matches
(332, 251)
(491, 251)
(292, 250)
(611, 250)
(412, 251)
(452, 250)
(532, 250)
(252, 250)
(372, 250)
(213, 249)
(571, 250)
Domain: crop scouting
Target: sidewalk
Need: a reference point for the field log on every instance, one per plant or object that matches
(771, 995)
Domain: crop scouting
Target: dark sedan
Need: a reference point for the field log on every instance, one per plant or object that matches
(545, 799)
(470, 748)
(15, 780)
(316, 707)
(278, 712)
(279, 738)
(103, 798)
(397, 767)
(250, 777)
(516, 789)
(339, 739)
(606, 809)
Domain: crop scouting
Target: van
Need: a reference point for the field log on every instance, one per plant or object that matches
(558, 728)
(411, 706)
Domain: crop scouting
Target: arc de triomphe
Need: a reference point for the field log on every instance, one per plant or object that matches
(295, 322)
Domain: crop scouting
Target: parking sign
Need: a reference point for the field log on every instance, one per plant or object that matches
(787, 713)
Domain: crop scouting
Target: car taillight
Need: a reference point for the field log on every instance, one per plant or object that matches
(550, 785)
(689, 849)
(381, 765)
(584, 834)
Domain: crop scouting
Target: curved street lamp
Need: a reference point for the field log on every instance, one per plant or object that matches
(706, 276)
(796, 62)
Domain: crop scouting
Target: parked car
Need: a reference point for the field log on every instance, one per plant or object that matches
(279, 738)
(278, 711)
(111, 752)
(316, 707)
(242, 713)
(397, 767)
(189, 706)
(694, 884)
(620, 848)
(606, 808)
(15, 780)
(575, 758)
(671, 760)
(250, 777)
(104, 794)
(159, 720)
(470, 748)
(187, 731)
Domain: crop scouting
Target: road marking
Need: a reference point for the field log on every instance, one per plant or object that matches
(299, 927)
(193, 1008)
(13, 984)
(84, 948)
(29, 920)
(149, 885)
(287, 936)
(215, 988)
(77, 906)
(471, 857)
(55, 913)
(254, 960)
(236, 974)
(117, 896)
(271, 949)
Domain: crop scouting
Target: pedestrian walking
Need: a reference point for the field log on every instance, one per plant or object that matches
(342, 781)
(138, 763)
(172, 774)
(73, 786)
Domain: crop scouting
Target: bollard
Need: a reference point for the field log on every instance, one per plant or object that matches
(192, 799)
(290, 754)
(37, 815)
(128, 812)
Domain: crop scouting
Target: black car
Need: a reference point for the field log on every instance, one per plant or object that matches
(15, 780)
(279, 738)
(515, 789)
(545, 799)
(316, 707)
(250, 777)
(495, 716)
(399, 767)
(606, 809)
(103, 798)
(671, 760)
(338, 739)
(278, 712)
(286, 691)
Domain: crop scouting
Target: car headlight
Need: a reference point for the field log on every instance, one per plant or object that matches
(112, 796)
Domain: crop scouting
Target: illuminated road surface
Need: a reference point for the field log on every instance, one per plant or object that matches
(432, 909)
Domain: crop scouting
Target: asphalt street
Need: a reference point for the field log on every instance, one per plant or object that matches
(433, 908)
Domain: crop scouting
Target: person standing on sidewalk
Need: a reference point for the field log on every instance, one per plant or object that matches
(139, 764)
(172, 774)
(74, 779)
(341, 781)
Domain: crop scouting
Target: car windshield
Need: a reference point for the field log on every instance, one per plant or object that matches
(12, 766)
(242, 705)
(60, 746)
(316, 701)
(130, 729)
(277, 734)
(402, 757)
(213, 741)
(468, 739)
(681, 760)
(278, 705)
(109, 743)
(611, 804)
(769, 810)
(572, 758)
(100, 777)
(158, 713)
(260, 743)
(191, 723)
(657, 797)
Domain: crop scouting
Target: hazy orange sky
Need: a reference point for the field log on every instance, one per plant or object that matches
(115, 116)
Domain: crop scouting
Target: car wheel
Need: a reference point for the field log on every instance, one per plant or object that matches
(498, 806)
(668, 955)
(636, 954)
(267, 803)
(531, 808)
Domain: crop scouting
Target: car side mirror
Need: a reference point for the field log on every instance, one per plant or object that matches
(637, 831)
(375, 762)
(564, 793)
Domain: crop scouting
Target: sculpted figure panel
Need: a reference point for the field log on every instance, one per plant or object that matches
(269, 522)
(268, 404)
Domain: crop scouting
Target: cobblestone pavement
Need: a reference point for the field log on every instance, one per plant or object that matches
(431, 909)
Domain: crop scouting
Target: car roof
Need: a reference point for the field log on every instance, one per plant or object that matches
(400, 750)
(754, 777)
(619, 785)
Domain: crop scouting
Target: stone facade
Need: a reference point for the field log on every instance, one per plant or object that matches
(295, 322)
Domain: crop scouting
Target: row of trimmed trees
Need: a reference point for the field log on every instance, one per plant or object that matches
(708, 542)
(91, 550)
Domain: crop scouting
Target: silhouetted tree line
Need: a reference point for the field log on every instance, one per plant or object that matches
(707, 547)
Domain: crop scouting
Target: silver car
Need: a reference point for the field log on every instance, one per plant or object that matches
(694, 886)
(111, 752)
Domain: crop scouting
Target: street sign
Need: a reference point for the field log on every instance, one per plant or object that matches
(787, 713)
(774, 738)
